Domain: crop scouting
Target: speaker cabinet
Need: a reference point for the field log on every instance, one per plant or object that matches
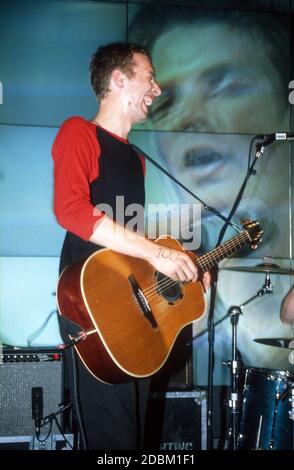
(177, 421)
(52, 442)
(20, 372)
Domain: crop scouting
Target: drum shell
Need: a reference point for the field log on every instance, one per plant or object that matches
(265, 423)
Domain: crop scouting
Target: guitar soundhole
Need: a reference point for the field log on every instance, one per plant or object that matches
(167, 288)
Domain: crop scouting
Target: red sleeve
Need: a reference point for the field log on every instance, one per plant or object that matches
(75, 153)
(143, 163)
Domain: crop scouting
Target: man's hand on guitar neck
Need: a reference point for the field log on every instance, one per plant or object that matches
(175, 264)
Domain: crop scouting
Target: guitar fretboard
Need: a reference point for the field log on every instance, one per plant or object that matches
(210, 259)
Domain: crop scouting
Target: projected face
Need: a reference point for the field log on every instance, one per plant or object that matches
(216, 78)
(221, 86)
(213, 166)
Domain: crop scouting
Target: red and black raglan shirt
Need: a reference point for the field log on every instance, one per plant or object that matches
(92, 166)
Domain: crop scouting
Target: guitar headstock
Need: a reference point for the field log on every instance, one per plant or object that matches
(254, 231)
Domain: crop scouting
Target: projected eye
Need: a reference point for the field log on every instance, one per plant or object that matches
(229, 86)
(199, 158)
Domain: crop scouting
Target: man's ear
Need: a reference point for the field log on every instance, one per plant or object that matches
(118, 78)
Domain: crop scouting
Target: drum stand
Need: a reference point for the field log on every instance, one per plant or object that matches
(234, 405)
(291, 413)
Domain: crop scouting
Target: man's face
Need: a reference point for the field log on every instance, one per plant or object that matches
(212, 79)
(215, 78)
(141, 89)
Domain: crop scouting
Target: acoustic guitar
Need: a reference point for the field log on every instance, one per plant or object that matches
(129, 313)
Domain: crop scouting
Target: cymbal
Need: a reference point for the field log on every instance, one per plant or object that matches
(261, 268)
(286, 343)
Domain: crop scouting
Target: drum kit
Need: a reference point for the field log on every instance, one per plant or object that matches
(263, 418)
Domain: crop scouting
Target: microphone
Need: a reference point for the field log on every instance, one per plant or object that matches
(37, 408)
(277, 137)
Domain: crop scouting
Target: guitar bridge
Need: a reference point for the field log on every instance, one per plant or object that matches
(142, 301)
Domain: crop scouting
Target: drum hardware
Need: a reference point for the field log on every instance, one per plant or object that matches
(291, 400)
(291, 358)
(257, 447)
(277, 398)
(234, 312)
(265, 267)
(267, 288)
(290, 392)
(286, 343)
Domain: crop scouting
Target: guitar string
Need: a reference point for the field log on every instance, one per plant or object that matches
(211, 257)
(163, 287)
(203, 262)
(154, 295)
(166, 283)
(160, 284)
(200, 261)
(153, 292)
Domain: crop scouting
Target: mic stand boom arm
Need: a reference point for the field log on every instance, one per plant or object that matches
(250, 171)
(210, 322)
(227, 221)
(49, 418)
(170, 176)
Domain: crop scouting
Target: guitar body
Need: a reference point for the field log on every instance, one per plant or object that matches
(133, 313)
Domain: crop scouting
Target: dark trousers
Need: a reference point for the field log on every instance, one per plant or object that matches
(112, 416)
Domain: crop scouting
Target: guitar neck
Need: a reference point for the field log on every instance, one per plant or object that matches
(210, 259)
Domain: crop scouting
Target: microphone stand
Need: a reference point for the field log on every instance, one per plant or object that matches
(263, 290)
(210, 323)
(49, 420)
(170, 176)
(234, 312)
(213, 289)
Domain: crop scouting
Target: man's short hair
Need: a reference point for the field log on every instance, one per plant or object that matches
(108, 58)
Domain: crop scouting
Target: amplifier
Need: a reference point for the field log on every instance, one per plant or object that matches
(177, 421)
(52, 442)
(21, 370)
